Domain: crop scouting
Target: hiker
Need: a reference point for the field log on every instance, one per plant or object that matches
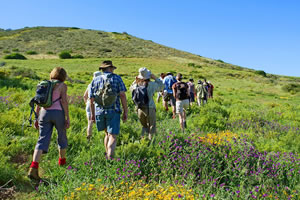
(160, 93)
(210, 89)
(192, 90)
(87, 108)
(168, 96)
(57, 115)
(106, 91)
(143, 91)
(201, 93)
(182, 94)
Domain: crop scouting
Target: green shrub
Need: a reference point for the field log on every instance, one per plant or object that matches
(65, 55)
(105, 50)
(15, 56)
(15, 50)
(6, 51)
(78, 57)
(219, 60)
(50, 52)
(261, 72)
(31, 53)
(291, 87)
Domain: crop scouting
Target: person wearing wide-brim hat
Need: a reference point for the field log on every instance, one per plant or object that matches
(201, 91)
(107, 116)
(146, 109)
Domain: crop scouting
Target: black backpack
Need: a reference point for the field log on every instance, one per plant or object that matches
(181, 91)
(140, 96)
(43, 96)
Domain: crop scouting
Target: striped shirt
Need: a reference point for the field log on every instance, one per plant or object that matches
(117, 85)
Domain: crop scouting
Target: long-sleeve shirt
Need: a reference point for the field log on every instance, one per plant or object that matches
(152, 88)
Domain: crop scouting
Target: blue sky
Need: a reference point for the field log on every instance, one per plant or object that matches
(258, 34)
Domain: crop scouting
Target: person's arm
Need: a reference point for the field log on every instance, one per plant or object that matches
(85, 96)
(124, 105)
(36, 122)
(174, 90)
(159, 86)
(65, 105)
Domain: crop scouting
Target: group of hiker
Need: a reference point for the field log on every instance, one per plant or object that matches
(104, 97)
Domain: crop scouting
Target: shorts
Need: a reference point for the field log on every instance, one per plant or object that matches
(110, 122)
(47, 120)
(182, 105)
(169, 97)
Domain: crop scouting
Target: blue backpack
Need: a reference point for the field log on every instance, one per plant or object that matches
(140, 96)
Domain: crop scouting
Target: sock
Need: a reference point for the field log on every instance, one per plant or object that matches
(34, 165)
(61, 161)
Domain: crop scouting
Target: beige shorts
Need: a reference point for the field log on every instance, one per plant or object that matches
(182, 105)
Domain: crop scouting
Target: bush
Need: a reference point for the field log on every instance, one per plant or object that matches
(291, 87)
(65, 55)
(31, 53)
(261, 72)
(15, 56)
(105, 50)
(78, 57)
(6, 51)
(15, 50)
(50, 52)
(219, 60)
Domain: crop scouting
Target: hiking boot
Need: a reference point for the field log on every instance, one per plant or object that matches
(33, 174)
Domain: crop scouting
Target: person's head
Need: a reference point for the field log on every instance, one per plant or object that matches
(169, 73)
(144, 74)
(96, 73)
(199, 82)
(191, 80)
(204, 80)
(58, 73)
(179, 77)
(107, 65)
(162, 75)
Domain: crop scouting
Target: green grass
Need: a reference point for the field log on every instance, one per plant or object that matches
(245, 103)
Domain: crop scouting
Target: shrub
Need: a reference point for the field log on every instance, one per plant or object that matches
(6, 51)
(78, 56)
(105, 50)
(191, 64)
(50, 52)
(15, 50)
(15, 56)
(31, 53)
(65, 55)
(261, 72)
(2, 64)
(219, 60)
(291, 87)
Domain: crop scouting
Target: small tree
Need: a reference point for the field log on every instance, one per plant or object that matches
(65, 55)
(15, 56)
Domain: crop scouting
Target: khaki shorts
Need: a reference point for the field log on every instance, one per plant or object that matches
(182, 105)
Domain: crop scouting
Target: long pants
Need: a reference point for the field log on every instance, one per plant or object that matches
(201, 101)
(147, 117)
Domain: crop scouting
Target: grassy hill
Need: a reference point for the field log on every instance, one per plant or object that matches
(243, 144)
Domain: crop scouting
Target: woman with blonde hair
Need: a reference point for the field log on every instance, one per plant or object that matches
(57, 115)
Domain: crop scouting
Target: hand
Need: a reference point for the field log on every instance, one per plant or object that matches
(93, 118)
(125, 116)
(67, 123)
(36, 124)
(153, 76)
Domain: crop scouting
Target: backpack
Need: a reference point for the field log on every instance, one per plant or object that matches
(181, 91)
(43, 96)
(140, 96)
(171, 82)
(105, 96)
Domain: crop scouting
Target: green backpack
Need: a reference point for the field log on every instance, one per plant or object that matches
(105, 96)
(43, 96)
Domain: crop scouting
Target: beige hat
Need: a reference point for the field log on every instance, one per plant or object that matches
(106, 64)
(144, 73)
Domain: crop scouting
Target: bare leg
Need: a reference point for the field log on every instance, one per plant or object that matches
(166, 105)
(89, 128)
(112, 141)
(62, 153)
(37, 155)
(106, 141)
(173, 111)
(181, 121)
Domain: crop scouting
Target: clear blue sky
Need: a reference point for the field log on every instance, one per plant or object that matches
(258, 34)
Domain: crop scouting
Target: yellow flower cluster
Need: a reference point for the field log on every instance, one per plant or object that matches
(218, 138)
(133, 190)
